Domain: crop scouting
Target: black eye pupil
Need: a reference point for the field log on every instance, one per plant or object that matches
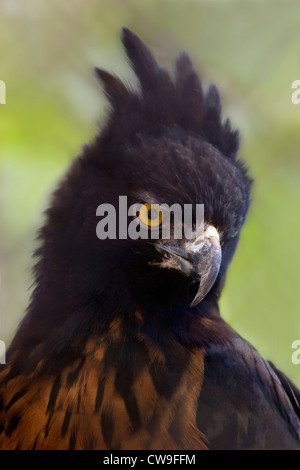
(152, 214)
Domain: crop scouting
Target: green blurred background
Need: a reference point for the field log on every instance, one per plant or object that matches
(250, 49)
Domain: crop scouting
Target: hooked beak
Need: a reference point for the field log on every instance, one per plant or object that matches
(200, 260)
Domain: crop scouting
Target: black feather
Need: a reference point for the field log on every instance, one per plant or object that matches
(143, 62)
(113, 86)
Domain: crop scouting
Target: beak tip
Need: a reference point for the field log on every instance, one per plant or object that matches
(196, 301)
(209, 265)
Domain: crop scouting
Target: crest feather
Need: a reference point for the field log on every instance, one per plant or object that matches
(166, 101)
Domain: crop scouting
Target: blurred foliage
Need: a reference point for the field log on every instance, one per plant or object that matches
(249, 48)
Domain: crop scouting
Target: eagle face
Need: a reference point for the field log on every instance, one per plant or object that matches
(177, 168)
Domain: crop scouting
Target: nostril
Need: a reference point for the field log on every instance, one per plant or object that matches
(196, 245)
(198, 242)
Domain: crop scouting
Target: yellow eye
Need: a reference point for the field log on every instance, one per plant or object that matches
(151, 215)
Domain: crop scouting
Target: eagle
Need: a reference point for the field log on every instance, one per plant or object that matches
(123, 346)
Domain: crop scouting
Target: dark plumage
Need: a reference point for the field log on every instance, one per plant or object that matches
(111, 354)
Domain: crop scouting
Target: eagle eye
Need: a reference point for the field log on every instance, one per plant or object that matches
(151, 215)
